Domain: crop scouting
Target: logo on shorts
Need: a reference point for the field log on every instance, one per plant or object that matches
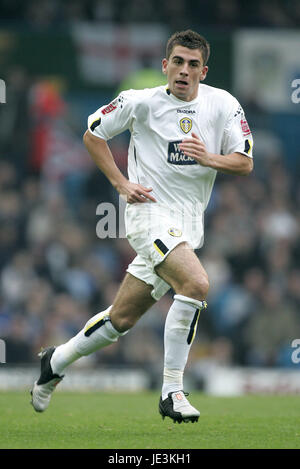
(175, 232)
(186, 124)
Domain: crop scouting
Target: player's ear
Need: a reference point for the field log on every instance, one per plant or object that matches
(164, 66)
(203, 73)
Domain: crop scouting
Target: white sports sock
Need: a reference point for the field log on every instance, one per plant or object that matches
(96, 334)
(180, 329)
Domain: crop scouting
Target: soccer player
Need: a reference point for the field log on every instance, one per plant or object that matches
(182, 134)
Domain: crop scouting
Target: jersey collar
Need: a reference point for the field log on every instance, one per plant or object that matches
(180, 101)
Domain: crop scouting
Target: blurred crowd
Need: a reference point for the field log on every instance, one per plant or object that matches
(55, 273)
(175, 13)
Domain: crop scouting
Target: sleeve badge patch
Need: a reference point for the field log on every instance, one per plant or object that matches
(110, 107)
(245, 127)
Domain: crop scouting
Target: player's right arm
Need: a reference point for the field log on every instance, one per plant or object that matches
(102, 156)
(104, 124)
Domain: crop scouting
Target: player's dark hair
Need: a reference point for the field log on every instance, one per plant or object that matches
(191, 40)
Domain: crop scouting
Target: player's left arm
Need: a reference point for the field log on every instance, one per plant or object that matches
(233, 163)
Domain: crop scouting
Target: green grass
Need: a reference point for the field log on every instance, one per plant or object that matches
(131, 420)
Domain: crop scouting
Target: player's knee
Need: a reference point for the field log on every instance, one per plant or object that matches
(122, 323)
(196, 288)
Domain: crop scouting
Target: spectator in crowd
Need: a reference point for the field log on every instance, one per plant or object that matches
(47, 14)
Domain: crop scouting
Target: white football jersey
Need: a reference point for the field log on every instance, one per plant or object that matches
(158, 122)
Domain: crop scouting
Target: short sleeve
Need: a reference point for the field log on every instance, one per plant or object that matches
(113, 118)
(237, 137)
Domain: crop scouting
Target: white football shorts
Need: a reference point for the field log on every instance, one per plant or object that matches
(153, 230)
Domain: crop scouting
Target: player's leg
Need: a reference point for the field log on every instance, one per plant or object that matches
(133, 299)
(184, 272)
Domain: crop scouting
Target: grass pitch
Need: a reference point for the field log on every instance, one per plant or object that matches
(131, 421)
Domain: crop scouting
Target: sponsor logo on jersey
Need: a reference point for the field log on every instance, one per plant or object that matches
(186, 124)
(176, 156)
(245, 127)
(186, 111)
(175, 232)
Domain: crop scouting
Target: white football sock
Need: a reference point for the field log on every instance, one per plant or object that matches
(96, 334)
(180, 329)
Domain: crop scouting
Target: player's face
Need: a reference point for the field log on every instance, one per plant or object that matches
(184, 70)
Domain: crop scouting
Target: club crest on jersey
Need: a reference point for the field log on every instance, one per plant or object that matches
(175, 232)
(186, 124)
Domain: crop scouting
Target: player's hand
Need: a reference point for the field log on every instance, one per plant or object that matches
(196, 149)
(135, 193)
